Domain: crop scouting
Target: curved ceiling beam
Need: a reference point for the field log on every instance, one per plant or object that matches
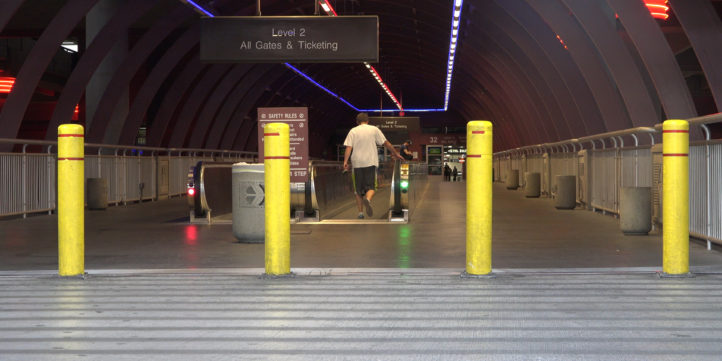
(159, 128)
(598, 21)
(91, 58)
(214, 102)
(523, 94)
(105, 129)
(492, 82)
(222, 124)
(7, 10)
(172, 59)
(581, 49)
(33, 68)
(560, 58)
(197, 96)
(703, 27)
(537, 58)
(559, 120)
(658, 58)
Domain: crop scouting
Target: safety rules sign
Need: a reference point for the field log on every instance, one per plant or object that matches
(297, 120)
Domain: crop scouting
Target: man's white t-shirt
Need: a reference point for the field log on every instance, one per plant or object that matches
(363, 139)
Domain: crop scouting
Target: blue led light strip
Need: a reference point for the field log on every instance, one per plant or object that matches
(455, 23)
(318, 85)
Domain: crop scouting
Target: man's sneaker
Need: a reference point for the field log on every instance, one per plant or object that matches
(369, 210)
(360, 216)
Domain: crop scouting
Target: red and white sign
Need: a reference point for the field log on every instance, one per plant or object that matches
(297, 120)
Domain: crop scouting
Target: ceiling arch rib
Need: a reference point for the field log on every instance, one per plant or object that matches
(170, 100)
(582, 50)
(522, 95)
(622, 68)
(560, 58)
(703, 27)
(174, 58)
(658, 58)
(104, 129)
(222, 123)
(35, 64)
(210, 107)
(538, 87)
(192, 104)
(509, 32)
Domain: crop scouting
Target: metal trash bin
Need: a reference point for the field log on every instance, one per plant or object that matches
(248, 202)
(512, 179)
(635, 210)
(566, 192)
(97, 193)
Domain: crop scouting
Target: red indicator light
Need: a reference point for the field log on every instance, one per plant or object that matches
(191, 191)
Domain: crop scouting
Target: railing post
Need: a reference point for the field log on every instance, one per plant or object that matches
(675, 198)
(478, 198)
(276, 150)
(71, 199)
(24, 183)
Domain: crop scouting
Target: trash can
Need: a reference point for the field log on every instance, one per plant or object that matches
(248, 202)
(635, 210)
(97, 193)
(566, 192)
(533, 185)
(512, 179)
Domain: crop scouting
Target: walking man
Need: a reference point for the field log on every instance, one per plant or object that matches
(361, 143)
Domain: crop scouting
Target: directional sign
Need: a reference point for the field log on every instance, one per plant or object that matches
(280, 39)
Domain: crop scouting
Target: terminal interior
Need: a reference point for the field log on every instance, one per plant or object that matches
(579, 95)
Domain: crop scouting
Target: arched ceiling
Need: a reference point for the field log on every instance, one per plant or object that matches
(541, 70)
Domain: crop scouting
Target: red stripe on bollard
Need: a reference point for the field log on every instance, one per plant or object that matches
(278, 157)
(675, 154)
(71, 158)
(271, 134)
(675, 131)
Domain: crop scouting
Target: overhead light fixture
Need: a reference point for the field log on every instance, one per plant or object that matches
(70, 46)
(6, 84)
(658, 8)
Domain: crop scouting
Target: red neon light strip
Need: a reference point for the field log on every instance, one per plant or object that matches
(371, 67)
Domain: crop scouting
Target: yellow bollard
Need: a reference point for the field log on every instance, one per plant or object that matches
(276, 149)
(71, 200)
(675, 197)
(479, 153)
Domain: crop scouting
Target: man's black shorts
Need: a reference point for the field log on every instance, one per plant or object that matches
(364, 179)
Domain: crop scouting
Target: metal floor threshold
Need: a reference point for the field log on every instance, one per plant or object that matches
(360, 271)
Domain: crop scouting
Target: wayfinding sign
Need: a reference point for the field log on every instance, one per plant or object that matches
(280, 39)
(297, 120)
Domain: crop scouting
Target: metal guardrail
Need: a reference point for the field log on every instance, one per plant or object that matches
(28, 180)
(603, 163)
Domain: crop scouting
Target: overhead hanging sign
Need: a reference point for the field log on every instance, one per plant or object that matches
(280, 39)
(297, 120)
